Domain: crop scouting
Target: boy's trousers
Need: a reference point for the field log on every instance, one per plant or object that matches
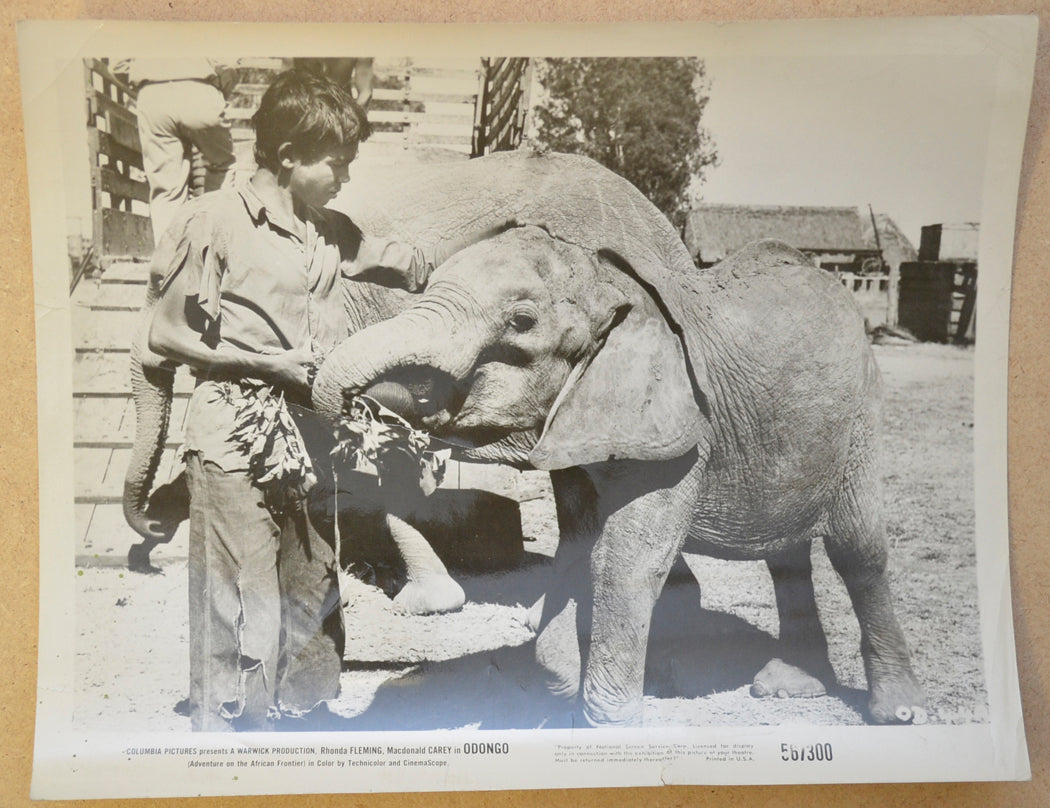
(266, 622)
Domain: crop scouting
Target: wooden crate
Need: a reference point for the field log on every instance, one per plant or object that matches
(938, 299)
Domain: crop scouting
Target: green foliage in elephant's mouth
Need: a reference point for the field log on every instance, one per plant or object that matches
(371, 437)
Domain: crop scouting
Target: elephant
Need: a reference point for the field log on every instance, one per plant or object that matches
(156, 514)
(732, 411)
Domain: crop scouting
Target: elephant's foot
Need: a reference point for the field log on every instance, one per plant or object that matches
(622, 715)
(785, 681)
(897, 700)
(432, 594)
(558, 654)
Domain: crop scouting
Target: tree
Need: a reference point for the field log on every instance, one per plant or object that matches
(638, 117)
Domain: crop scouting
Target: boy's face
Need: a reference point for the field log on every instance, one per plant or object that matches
(317, 183)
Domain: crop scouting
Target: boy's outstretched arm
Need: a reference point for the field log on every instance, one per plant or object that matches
(412, 265)
(175, 337)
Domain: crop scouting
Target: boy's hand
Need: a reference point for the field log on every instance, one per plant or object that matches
(291, 369)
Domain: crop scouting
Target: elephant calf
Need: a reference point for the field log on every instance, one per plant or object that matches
(733, 411)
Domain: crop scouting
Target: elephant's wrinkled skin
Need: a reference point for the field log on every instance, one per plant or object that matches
(732, 411)
(156, 516)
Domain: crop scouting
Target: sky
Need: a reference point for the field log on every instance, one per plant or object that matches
(905, 131)
(907, 135)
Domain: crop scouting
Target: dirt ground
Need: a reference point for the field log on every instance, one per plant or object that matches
(474, 668)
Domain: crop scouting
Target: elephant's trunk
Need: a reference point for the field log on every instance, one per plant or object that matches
(152, 389)
(417, 350)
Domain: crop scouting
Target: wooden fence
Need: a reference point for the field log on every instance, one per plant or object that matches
(863, 283)
(120, 193)
(502, 105)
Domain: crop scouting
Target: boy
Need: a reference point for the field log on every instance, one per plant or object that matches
(252, 295)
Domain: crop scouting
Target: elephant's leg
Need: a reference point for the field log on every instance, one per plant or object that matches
(801, 668)
(429, 589)
(649, 507)
(564, 615)
(856, 545)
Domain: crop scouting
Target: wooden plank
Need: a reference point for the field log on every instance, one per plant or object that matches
(127, 271)
(407, 141)
(122, 186)
(113, 481)
(97, 420)
(396, 116)
(89, 471)
(111, 330)
(503, 91)
(115, 295)
(177, 394)
(109, 533)
(446, 141)
(126, 234)
(109, 423)
(82, 514)
(415, 94)
(129, 154)
(109, 539)
(101, 105)
(104, 374)
(428, 128)
(121, 442)
(502, 128)
(436, 71)
(107, 76)
(125, 132)
(448, 109)
(101, 372)
(410, 138)
(462, 86)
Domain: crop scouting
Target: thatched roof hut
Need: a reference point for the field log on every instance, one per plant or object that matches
(833, 236)
(896, 247)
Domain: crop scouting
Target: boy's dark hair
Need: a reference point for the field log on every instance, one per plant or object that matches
(314, 114)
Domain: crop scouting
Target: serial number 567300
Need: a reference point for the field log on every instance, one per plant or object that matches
(816, 751)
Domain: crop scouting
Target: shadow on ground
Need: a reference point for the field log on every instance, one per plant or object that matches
(693, 653)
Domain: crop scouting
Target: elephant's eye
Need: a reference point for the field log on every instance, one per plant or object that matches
(522, 321)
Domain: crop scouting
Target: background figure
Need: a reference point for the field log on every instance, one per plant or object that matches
(353, 74)
(181, 104)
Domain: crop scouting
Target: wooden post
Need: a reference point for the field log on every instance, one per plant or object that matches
(893, 293)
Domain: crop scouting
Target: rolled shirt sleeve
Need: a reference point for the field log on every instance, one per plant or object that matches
(196, 249)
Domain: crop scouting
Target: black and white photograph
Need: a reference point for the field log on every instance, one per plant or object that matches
(617, 410)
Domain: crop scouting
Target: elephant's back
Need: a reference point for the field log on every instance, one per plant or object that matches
(572, 197)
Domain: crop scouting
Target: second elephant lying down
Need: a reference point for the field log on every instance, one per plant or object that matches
(733, 412)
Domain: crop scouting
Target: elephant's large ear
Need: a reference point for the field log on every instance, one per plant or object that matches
(637, 396)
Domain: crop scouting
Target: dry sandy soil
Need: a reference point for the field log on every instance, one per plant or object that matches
(474, 669)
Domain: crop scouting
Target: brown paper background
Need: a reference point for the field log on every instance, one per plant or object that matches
(1029, 437)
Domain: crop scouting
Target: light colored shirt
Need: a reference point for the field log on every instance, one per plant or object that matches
(258, 286)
